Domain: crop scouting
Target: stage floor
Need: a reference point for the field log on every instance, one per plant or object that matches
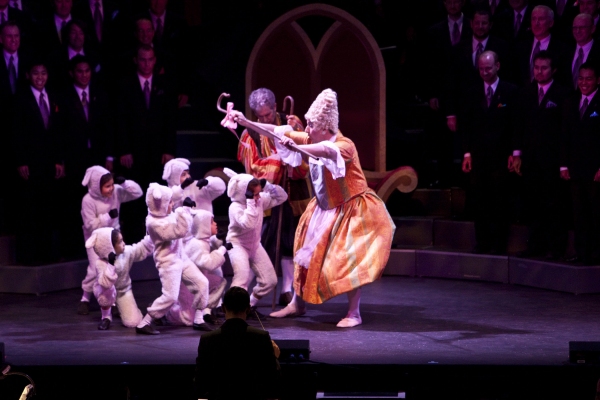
(406, 321)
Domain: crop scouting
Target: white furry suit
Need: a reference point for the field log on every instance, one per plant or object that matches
(174, 267)
(94, 212)
(114, 283)
(202, 196)
(245, 223)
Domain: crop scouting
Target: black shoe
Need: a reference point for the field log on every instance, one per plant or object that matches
(104, 324)
(147, 330)
(285, 298)
(202, 327)
(211, 320)
(162, 321)
(255, 314)
(83, 308)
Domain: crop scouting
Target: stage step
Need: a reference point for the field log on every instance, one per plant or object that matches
(433, 262)
(7, 250)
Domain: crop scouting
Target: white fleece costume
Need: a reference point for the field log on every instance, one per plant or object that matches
(114, 283)
(166, 232)
(245, 223)
(202, 196)
(94, 212)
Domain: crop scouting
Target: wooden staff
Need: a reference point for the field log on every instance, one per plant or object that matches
(278, 240)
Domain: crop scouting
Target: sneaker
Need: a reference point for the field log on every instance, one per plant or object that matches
(104, 324)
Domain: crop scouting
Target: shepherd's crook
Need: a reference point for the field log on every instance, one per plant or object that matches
(229, 123)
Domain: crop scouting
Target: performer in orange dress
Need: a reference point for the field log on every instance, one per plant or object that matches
(344, 237)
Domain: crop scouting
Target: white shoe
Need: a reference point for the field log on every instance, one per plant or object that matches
(349, 322)
(289, 311)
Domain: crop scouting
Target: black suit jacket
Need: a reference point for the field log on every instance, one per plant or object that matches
(438, 44)
(504, 25)
(174, 32)
(58, 66)
(48, 40)
(146, 133)
(33, 144)
(111, 15)
(97, 128)
(487, 130)
(464, 74)
(581, 139)
(236, 361)
(6, 95)
(522, 52)
(566, 72)
(538, 129)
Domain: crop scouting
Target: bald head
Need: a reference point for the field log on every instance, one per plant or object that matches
(489, 66)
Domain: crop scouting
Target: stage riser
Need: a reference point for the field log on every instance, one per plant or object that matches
(7, 250)
(502, 269)
(438, 264)
(564, 278)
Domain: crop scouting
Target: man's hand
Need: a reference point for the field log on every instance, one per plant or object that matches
(60, 171)
(434, 104)
(127, 161)
(294, 122)
(24, 171)
(564, 174)
(466, 164)
(514, 164)
(451, 123)
(166, 158)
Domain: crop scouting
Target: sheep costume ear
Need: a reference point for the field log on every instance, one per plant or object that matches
(237, 186)
(101, 242)
(158, 198)
(173, 170)
(92, 179)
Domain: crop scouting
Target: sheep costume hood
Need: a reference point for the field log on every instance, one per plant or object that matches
(201, 225)
(158, 198)
(173, 170)
(237, 186)
(92, 180)
(101, 242)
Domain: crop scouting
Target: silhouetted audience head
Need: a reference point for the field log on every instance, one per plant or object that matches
(236, 301)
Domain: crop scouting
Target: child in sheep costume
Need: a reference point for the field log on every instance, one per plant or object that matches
(113, 284)
(203, 191)
(100, 208)
(166, 230)
(248, 204)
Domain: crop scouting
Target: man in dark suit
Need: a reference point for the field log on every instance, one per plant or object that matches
(37, 147)
(464, 71)
(514, 23)
(23, 20)
(486, 112)
(74, 44)
(585, 49)
(440, 39)
(580, 164)
(87, 127)
(537, 142)
(564, 12)
(542, 20)
(13, 77)
(101, 18)
(50, 28)
(146, 128)
(237, 361)
(591, 7)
